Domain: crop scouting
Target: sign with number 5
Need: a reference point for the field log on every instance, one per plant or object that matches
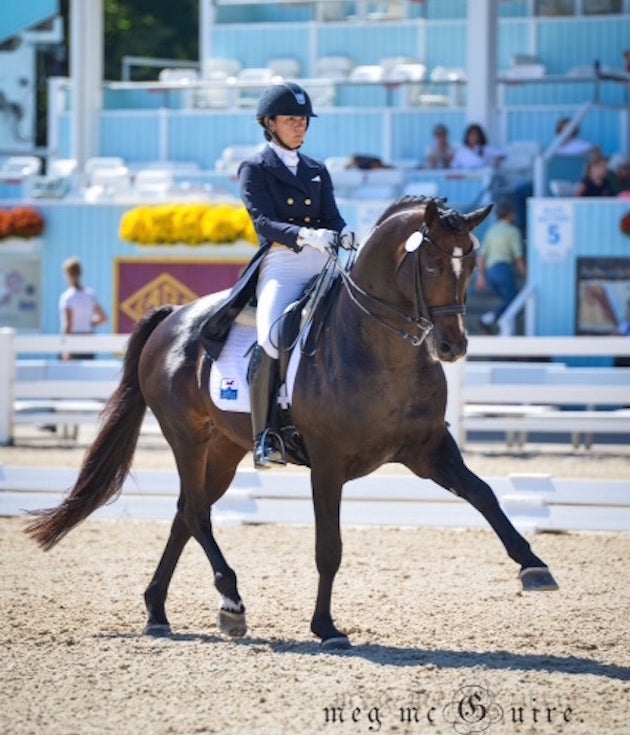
(553, 229)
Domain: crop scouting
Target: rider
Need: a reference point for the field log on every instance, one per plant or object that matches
(290, 199)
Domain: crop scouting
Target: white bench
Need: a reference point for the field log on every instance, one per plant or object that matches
(62, 394)
(520, 398)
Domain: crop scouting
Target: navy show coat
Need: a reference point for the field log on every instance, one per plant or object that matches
(280, 204)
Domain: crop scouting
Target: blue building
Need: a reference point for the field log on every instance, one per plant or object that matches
(381, 76)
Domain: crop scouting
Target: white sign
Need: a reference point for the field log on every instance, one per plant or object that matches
(553, 229)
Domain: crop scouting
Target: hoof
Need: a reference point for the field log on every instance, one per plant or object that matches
(338, 643)
(537, 579)
(157, 630)
(232, 624)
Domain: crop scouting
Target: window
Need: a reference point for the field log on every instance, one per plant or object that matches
(555, 7)
(602, 7)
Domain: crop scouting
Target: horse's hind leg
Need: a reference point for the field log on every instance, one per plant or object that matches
(155, 594)
(206, 471)
(449, 471)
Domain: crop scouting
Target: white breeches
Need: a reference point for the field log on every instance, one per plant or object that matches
(282, 276)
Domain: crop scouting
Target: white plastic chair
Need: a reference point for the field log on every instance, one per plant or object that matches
(331, 67)
(562, 188)
(375, 192)
(98, 163)
(337, 163)
(389, 62)
(286, 67)
(385, 177)
(525, 71)
(218, 91)
(258, 78)
(153, 183)
(421, 188)
(178, 76)
(108, 183)
(63, 167)
(366, 73)
(22, 165)
(345, 181)
(233, 156)
(228, 67)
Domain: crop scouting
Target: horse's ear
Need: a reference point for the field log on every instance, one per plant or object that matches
(474, 219)
(431, 212)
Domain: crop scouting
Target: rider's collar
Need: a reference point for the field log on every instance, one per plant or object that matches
(289, 158)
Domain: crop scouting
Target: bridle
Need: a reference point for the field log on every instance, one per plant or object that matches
(423, 321)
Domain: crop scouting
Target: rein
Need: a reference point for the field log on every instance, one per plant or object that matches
(422, 322)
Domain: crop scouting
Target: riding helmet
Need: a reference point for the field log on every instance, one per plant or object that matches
(287, 98)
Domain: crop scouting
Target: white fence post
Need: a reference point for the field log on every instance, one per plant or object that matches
(7, 376)
(454, 372)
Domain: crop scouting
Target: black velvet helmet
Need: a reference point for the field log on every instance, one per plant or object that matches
(287, 98)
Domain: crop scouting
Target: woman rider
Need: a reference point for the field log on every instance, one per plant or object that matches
(290, 199)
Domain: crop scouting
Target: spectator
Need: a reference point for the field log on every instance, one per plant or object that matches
(619, 167)
(475, 151)
(573, 145)
(501, 251)
(440, 153)
(596, 181)
(79, 309)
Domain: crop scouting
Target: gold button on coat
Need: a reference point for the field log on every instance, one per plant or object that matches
(308, 202)
(290, 200)
(307, 219)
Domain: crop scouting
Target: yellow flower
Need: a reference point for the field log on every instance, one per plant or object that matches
(187, 223)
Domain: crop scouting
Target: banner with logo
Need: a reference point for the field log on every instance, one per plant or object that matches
(143, 284)
(20, 293)
(603, 296)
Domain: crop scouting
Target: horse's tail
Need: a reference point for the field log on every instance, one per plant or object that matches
(109, 457)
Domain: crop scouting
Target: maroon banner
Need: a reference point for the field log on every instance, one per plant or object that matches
(144, 284)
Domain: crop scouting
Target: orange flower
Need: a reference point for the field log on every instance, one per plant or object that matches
(26, 222)
(5, 223)
(624, 225)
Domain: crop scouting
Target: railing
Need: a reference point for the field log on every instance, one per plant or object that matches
(460, 392)
(507, 321)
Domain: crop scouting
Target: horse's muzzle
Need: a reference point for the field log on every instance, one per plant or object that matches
(450, 348)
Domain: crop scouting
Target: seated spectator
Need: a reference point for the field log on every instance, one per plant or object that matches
(366, 162)
(440, 153)
(475, 151)
(573, 145)
(597, 180)
(619, 167)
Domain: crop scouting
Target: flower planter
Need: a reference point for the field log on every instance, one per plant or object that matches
(240, 250)
(22, 245)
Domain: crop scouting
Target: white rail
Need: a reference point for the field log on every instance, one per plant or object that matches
(595, 392)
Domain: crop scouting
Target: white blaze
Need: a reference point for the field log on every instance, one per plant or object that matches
(456, 261)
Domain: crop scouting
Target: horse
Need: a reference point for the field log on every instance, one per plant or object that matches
(372, 392)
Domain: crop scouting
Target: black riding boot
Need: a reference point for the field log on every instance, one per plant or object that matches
(261, 379)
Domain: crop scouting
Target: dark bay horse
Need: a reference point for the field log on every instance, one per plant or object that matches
(372, 392)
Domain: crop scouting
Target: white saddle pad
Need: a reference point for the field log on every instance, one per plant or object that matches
(229, 389)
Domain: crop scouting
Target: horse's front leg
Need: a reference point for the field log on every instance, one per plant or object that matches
(449, 471)
(327, 486)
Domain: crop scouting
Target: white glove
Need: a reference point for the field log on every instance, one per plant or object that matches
(322, 240)
(347, 239)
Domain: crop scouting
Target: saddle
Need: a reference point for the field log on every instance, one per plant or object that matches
(300, 328)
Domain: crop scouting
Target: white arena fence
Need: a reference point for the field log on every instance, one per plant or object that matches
(490, 394)
(515, 397)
